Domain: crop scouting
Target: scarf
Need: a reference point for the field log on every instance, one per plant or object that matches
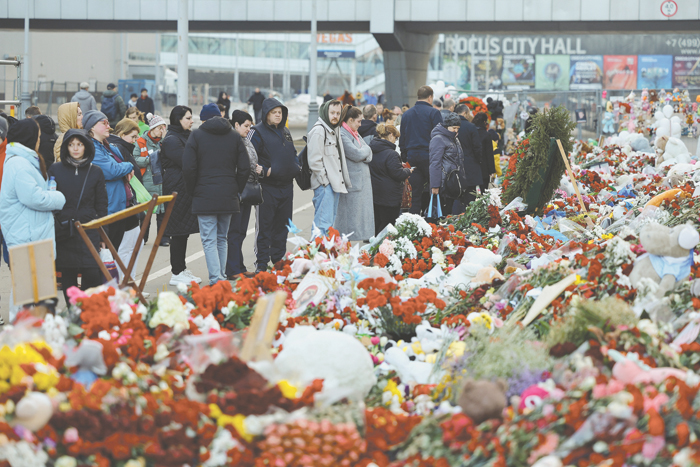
(353, 132)
(77, 162)
(323, 114)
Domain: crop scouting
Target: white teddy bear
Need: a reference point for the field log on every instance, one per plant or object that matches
(473, 261)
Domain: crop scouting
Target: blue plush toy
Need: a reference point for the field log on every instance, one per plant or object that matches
(608, 123)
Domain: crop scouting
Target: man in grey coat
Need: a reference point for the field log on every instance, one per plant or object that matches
(329, 170)
(84, 98)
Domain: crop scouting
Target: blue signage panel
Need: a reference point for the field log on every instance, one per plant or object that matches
(335, 53)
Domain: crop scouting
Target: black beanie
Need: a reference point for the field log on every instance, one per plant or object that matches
(24, 132)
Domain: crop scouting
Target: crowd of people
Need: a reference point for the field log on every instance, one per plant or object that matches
(365, 165)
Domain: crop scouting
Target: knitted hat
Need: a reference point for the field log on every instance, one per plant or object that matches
(451, 120)
(92, 118)
(209, 111)
(24, 132)
(154, 120)
(3, 128)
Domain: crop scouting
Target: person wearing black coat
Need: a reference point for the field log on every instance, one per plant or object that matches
(48, 138)
(215, 166)
(388, 177)
(182, 222)
(470, 140)
(83, 185)
(488, 165)
(226, 102)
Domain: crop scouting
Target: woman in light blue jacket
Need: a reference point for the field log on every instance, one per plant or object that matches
(25, 200)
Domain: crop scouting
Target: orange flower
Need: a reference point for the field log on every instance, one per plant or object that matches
(657, 427)
(683, 434)
(381, 260)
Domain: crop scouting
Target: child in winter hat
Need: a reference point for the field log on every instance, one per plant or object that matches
(154, 120)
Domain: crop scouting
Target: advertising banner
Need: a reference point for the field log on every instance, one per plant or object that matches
(518, 72)
(620, 71)
(552, 72)
(586, 72)
(686, 71)
(654, 71)
(481, 66)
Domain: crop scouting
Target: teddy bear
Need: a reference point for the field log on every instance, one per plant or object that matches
(653, 96)
(33, 411)
(473, 261)
(483, 400)
(672, 151)
(669, 256)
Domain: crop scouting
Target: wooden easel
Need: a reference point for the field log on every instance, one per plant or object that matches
(117, 216)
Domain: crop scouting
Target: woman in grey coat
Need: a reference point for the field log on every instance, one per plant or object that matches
(355, 208)
(446, 156)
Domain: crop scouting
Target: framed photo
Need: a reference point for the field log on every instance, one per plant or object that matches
(311, 290)
(580, 115)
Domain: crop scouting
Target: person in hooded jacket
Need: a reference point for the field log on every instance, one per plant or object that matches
(84, 98)
(113, 106)
(48, 138)
(388, 176)
(182, 222)
(445, 156)
(146, 146)
(117, 173)
(274, 146)
(488, 164)
(215, 165)
(25, 200)
(70, 115)
(83, 185)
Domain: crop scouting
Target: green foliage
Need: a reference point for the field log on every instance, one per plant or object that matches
(393, 325)
(476, 213)
(504, 353)
(553, 123)
(605, 315)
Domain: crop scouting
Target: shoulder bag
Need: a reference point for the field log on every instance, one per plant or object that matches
(65, 230)
(252, 192)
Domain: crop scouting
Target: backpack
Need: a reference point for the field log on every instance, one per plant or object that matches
(304, 177)
(109, 107)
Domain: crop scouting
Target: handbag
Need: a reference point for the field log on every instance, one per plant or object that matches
(433, 216)
(66, 229)
(252, 193)
(453, 186)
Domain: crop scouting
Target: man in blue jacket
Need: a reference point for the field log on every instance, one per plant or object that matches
(278, 157)
(468, 137)
(416, 125)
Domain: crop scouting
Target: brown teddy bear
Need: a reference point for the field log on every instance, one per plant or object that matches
(483, 400)
(653, 96)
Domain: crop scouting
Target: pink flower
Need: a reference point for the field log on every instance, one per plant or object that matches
(71, 435)
(74, 294)
(652, 447)
(655, 403)
(550, 444)
(386, 248)
(374, 340)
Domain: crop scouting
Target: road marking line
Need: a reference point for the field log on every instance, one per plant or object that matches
(200, 254)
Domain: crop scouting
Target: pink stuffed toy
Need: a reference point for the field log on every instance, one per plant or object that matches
(630, 370)
(532, 397)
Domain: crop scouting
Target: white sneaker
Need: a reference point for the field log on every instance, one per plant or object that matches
(181, 278)
(189, 274)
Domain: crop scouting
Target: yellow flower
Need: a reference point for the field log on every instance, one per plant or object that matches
(578, 280)
(288, 391)
(456, 349)
(237, 421)
(215, 411)
(417, 347)
(393, 388)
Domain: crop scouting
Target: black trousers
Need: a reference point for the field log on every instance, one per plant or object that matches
(178, 252)
(465, 200)
(273, 215)
(159, 221)
(418, 179)
(90, 277)
(236, 234)
(385, 215)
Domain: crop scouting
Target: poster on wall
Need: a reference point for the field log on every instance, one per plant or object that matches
(552, 72)
(686, 71)
(620, 71)
(654, 71)
(518, 72)
(586, 72)
(481, 66)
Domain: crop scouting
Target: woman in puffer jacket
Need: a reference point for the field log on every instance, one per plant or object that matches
(83, 185)
(25, 199)
(446, 156)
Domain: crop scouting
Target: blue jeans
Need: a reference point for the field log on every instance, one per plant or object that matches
(326, 206)
(213, 229)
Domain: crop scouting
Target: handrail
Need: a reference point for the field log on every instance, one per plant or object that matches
(10, 62)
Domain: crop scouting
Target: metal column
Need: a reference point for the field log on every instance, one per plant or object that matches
(26, 96)
(313, 91)
(182, 51)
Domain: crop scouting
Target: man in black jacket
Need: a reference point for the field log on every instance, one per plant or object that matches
(416, 125)
(145, 103)
(215, 166)
(278, 157)
(468, 137)
(368, 126)
(256, 100)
